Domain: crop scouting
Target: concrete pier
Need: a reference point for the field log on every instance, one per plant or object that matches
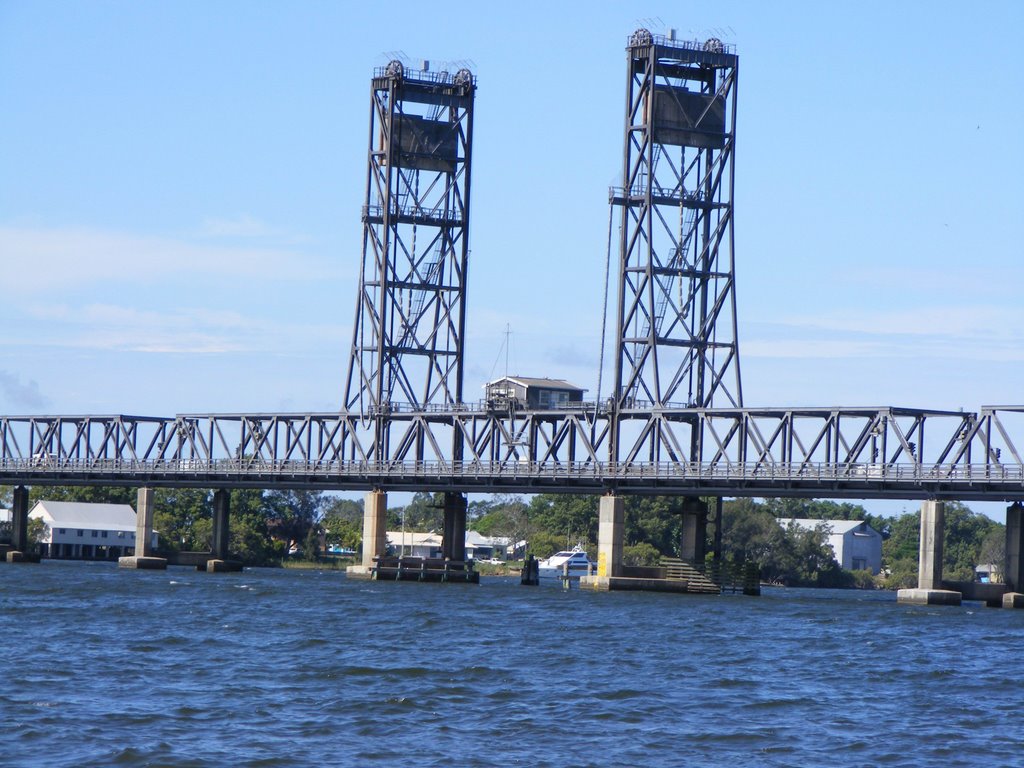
(220, 554)
(453, 540)
(611, 535)
(19, 551)
(144, 557)
(695, 530)
(929, 566)
(1014, 576)
(221, 524)
(375, 518)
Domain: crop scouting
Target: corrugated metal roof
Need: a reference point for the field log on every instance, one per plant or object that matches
(72, 514)
(414, 539)
(839, 527)
(475, 539)
(531, 381)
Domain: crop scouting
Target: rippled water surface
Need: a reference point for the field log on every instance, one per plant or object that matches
(103, 666)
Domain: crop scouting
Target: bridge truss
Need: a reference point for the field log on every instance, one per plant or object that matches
(827, 452)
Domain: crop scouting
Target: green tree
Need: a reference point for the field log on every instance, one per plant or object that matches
(543, 544)
(183, 519)
(425, 512)
(570, 518)
(640, 554)
(507, 517)
(993, 549)
(89, 494)
(290, 515)
(36, 532)
(656, 521)
(749, 532)
(964, 533)
(250, 539)
(342, 522)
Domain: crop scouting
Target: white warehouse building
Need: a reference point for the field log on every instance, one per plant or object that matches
(80, 531)
(857, 546)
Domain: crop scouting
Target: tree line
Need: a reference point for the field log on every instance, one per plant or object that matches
(266, 525)
(751, 532)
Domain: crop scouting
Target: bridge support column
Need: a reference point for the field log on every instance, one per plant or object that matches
(718, 530)
(695, 530)
(1014, 575)
(221, 524)
(611, 532)
(453, 540)
(19, 528)
(929, 566)
(143, 557)
(220, 558)
(375, 535)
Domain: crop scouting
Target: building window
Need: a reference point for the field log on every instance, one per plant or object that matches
(78, 532)
(860, 564)
(104, 534)
(61, 530)
(95, 534)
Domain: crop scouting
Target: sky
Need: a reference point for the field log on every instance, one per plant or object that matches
(181, 184)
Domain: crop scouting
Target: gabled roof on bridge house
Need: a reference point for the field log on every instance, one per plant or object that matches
(533, 381)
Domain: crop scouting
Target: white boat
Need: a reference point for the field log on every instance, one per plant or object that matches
(574, 563)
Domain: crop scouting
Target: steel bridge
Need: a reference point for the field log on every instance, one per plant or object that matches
(674, 422)
(824, 452)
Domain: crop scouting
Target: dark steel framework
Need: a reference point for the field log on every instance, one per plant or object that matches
(677, 337)
(411, 310)
(404, 424)
(826, 452)
(677, 303)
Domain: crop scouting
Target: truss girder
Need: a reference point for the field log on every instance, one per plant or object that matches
(855, 453)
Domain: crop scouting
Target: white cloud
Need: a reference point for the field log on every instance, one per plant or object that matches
(954, 322)
(37, 259)
(978, 333)
(184, 330)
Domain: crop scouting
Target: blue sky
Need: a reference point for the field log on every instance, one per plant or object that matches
(180, 187)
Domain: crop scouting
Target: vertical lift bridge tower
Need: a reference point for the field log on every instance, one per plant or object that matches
(408, 339)
(677, 344)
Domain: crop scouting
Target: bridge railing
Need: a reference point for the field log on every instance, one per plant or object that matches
(50, 469)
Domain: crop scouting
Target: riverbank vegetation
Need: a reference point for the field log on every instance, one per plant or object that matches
(751, 532)
(276, 527)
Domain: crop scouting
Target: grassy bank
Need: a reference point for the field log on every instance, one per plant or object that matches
(324, 564)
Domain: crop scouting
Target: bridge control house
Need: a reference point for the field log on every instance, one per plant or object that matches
(531, 393)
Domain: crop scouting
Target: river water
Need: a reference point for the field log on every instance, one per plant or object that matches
(109, 667)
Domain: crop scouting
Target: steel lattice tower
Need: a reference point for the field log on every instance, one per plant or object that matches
(407, 347)
(677, 340)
